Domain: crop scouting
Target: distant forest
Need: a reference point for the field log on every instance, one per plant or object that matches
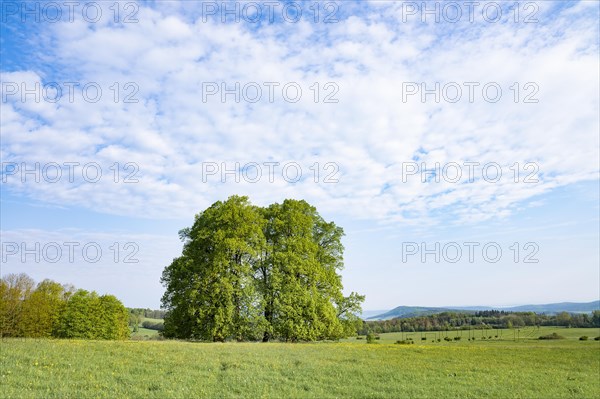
(480, 320)
(148, 313)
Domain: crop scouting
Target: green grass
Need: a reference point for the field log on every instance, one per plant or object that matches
(528, 368)
(146, 333)
(522, 334)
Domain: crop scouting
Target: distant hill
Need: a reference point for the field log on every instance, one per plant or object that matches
(572, 307)
(404, 312)
(366, 314)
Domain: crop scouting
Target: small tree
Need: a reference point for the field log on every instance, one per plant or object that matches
(370, 338)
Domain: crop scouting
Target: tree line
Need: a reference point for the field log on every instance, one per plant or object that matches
(480, 320)
(148, 313)
(254, 273)
(50, 309)
(153, 325)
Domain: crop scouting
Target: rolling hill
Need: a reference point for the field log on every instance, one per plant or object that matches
(551, 308)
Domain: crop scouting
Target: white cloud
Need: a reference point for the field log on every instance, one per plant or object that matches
(369, 133)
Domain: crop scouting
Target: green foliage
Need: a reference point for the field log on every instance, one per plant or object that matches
(148, 313)
(250, 273)
(596, 318)
(41, 310)
(14, 290)
(135, 318)
(348, 310)
(478, 320)
(210, 293)
(583, 338)
(298, 275)
(370, 338)
(114, 323)
(75, 320)
(551, 336)
(151, 325)
(53, 310)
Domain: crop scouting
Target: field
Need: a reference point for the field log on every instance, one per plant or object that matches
(525, 334)
(146, 333)
(496, 368)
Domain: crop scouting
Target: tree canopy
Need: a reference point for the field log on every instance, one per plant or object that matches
(252, 273)
(54, 310)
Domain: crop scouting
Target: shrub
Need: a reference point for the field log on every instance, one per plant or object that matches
(457, 338)
(423, 338)
(377, 337)
(370, 338)
(597, 339)
(583, 338)
(405, 342)
(359, 337)
(447, 339)
(552, 336)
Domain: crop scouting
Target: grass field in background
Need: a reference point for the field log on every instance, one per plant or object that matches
(152, 320)
(491, 335)
(146, 333)
(528, 368)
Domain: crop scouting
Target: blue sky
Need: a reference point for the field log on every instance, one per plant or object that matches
(367, 134)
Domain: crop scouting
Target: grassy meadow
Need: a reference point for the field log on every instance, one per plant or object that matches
(146, 333)
(525, 334)
(495, 368)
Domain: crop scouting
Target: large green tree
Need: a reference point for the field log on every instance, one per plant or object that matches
(210, 292)
(14, 290)
(77, 319)
(90, 316)
(41, 310)
(304, 255)
(259, 273)
(115, 318)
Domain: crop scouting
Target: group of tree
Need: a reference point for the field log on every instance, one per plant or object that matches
(478, 320)
(148, 313)
(254, 273)
(50, 309)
